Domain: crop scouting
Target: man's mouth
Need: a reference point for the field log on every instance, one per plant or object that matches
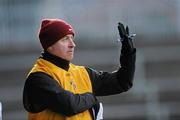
(71, 51)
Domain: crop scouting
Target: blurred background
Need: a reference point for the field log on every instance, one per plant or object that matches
(156, 91)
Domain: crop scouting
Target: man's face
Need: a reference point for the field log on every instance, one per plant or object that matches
(64, 48)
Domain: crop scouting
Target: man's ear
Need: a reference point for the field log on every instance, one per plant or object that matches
(49, 49)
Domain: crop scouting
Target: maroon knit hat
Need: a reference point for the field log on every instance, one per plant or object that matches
(52, 30)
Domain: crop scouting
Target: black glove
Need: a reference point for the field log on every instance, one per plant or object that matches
(126, 40)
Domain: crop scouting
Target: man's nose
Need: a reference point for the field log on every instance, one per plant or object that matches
(72, 43)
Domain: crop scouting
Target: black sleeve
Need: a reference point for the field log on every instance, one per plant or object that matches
(105, 83)
(42, 92)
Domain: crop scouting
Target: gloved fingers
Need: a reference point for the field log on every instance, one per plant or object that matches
(127, 30)
(121, 29)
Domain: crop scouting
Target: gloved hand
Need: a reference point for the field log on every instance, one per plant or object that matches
(126, 39)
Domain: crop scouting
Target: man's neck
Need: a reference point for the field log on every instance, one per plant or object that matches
(60, 62)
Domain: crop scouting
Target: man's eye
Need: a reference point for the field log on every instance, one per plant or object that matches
(65, 38)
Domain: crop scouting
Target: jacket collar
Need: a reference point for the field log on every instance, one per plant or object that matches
(62, 63)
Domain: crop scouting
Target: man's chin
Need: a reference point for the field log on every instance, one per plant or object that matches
(69, 58)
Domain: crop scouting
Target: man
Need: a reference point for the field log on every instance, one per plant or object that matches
(56, 89)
